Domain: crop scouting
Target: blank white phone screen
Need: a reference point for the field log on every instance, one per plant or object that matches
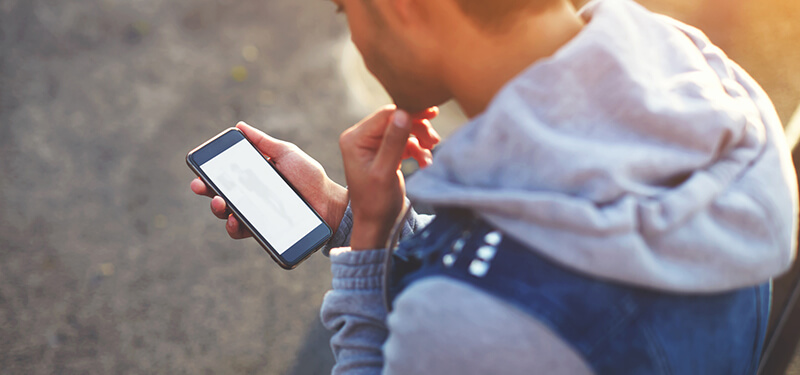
(261, 195)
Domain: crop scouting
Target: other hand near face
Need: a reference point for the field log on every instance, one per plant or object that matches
(372, 151)
(327, 197)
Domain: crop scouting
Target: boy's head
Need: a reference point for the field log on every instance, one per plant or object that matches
(411, 45)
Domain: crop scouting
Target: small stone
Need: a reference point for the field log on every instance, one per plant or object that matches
(107, 269)
(250, 53)
(239, 73)
(142, 27)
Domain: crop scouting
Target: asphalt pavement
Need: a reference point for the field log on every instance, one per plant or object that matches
(108, 263)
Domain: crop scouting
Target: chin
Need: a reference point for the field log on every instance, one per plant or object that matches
(416, 104)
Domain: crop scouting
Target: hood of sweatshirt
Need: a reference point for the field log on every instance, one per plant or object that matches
(637, 153)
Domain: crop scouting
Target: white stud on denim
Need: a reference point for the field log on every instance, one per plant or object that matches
(448, 260)
(459, 245)
(478, 268)
(487, 252)
(493, 238)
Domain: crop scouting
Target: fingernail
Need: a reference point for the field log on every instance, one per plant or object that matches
(401, 119)
(230, 222)
(428, 160)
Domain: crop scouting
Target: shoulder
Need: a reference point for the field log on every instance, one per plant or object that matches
(443, 326)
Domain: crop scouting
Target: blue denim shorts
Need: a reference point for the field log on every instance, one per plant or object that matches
(617, 328)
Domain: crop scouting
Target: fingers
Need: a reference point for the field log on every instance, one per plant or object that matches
(395, 139)
(423, 130)
(375, 124)
(422, 155)
(219, 208)
(268, 146)
(370, 130)
(427, 114)
(199, 187)
(395, 145)
(233, 226)
(235, 229)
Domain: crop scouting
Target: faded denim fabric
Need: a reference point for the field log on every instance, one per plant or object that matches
(618, 329)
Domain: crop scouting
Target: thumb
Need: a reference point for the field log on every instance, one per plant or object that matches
(268, 146)
(395, 138)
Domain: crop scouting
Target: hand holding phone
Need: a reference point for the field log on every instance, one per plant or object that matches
(307, 176)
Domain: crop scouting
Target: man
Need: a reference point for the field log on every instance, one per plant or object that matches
(617, 203)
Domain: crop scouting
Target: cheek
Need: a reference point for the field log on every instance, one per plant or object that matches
(361, 40)
(356, 34)
(359, 24)
(372, 55)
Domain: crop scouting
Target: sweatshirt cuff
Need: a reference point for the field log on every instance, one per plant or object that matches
(357, 270)
(342, 236)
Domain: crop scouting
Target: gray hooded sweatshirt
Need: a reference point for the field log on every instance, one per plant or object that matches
(638, 153)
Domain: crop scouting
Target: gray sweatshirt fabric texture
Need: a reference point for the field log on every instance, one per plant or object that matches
(638, 153)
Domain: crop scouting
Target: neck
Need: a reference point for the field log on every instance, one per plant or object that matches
(476, 70)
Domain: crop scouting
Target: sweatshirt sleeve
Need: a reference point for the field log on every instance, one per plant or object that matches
(438, 326)
(341, 238)
(355, 312)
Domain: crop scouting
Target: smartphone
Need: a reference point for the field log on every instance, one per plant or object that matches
(285, 225)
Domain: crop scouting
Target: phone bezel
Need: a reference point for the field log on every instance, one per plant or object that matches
(220, 143)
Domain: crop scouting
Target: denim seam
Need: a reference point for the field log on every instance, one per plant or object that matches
(547, 313)
(615, 327)
(749, 369)
(656, 348)
(544, 313)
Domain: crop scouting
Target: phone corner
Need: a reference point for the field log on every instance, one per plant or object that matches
(189, 159)
(286, 265)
